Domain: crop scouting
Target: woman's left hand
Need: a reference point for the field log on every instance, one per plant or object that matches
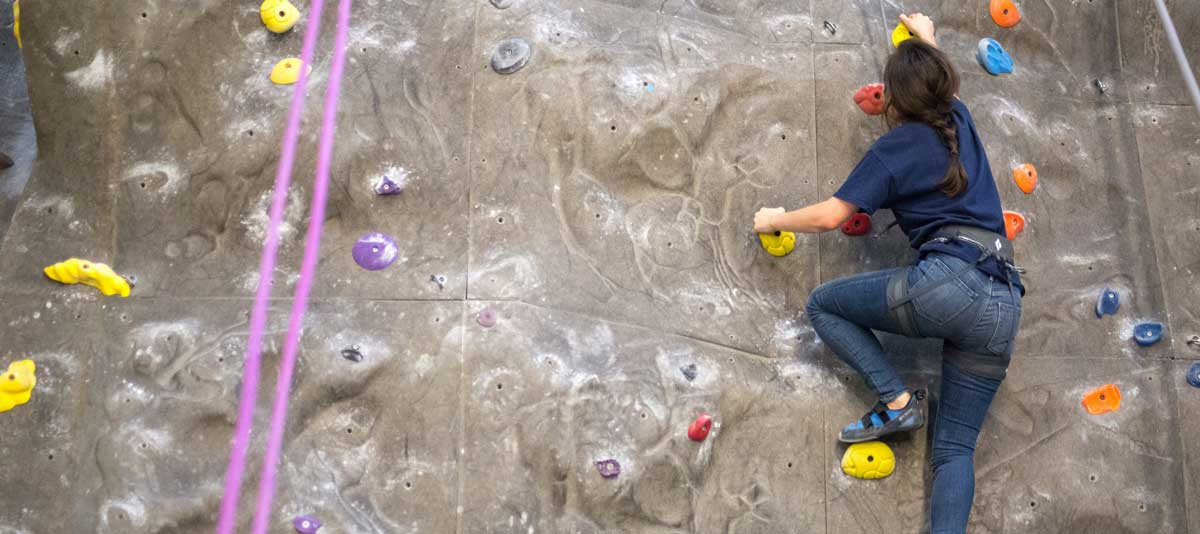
(762, 220)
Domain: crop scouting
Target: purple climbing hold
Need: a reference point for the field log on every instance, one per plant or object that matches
(306, 524)
(487, 318)
(375, 251)
(608, 468)
(387, 187)
(1108, 303)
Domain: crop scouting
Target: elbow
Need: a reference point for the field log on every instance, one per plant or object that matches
(829, 223)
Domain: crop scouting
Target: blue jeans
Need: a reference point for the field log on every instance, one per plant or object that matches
(976, 315)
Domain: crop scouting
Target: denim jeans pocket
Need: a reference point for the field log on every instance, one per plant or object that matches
(949, 300)
(1005, 329)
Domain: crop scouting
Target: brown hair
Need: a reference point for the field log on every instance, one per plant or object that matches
(920, 86)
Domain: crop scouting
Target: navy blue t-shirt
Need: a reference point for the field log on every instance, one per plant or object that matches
(902, 172)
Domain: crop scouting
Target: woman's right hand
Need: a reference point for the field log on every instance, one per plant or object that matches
(919, 25)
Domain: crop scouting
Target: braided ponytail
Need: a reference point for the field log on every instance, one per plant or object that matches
(920, 87)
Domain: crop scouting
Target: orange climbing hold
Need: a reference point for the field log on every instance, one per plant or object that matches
(1005, 13)
(1013, 224)
(1026, 177)
(1104, 399)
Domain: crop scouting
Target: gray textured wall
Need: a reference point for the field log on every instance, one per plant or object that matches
(608, 226)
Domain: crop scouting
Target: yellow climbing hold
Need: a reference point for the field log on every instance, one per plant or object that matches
(778, 243)
(901, 34)
(870, 460)
(17, 22)
(16, 384)
(287, 72)
(97, 275)
(279, 16)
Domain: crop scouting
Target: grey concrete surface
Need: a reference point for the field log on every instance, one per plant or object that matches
(599, 201)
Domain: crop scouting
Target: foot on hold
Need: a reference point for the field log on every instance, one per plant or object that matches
(881, 421)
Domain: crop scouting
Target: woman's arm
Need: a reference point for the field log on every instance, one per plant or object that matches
(817, 218)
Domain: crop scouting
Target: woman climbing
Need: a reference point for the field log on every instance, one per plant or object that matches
(932, 172)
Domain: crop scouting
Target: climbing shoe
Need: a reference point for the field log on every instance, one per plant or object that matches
(881, 421)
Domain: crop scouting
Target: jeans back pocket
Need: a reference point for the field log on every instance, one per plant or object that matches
(1005, 329)
(948, 300)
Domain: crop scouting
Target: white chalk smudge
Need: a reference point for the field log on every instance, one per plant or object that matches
(95, 75)
(257, 221)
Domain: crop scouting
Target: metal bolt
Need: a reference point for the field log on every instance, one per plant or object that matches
(438, 279)
(1103, 87)
(831, 27)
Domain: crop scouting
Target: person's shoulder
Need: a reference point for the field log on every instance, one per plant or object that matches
(960, 107)
(900, 140)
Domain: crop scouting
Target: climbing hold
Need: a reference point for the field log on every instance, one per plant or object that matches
(831, 27)
(1102, 400)
(279, 16)
(387, 187)
(699, 428)
(778, 243)
(439, 279)
(510, 56)
(1025, 175)
(1005, 13)
(97, 275)
(1194, 342)
(5, 161)
(487, 318)
(608, 468)
(306, 524)
(1149, 333)
(870, 98)
(374, 251)
(17, 384)
(993, 58)
(870, 460)
(502, 4)
(858, 224)
(287, 71)
(17, 22)
(1193, 375)
(1108, 303)
(1014, 223)
(689, 371)
(1101, 85)
(352, 354)
(901, 34)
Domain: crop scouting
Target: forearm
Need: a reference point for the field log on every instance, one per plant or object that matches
(813, 219)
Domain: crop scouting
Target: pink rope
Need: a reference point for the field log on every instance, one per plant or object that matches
(266, 272)
(308, 272)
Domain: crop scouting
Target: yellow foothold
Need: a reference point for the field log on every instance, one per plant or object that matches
(97, 275)
(870, 460)
(279, 16)
(778, 243)
(17, 384)
(287, 72)
(17, 22)
(901, 34)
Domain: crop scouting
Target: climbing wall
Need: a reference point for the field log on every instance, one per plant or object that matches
(596, 204)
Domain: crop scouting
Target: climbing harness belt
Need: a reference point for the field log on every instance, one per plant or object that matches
(227, 520)
(990, 244)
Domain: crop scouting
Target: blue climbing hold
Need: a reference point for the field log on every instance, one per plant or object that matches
(1146, 334)
(1108, 303)
(993, 58)
(1193, 376)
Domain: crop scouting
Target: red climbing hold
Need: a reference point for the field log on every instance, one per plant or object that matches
(1025, 175)
(870, 98)
(1005, 13)
(859, 224)
(1013, 224)
(700, 427)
